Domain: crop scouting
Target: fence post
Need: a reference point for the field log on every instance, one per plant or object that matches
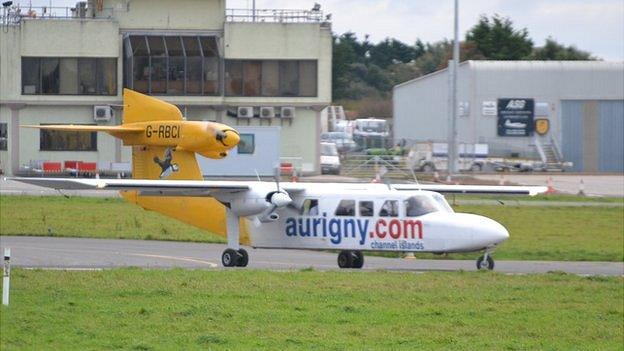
(6, 276)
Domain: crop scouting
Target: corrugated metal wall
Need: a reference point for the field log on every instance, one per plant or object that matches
(593, 135)
(611, 136)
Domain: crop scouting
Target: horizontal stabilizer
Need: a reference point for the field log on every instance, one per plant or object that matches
(474, 189)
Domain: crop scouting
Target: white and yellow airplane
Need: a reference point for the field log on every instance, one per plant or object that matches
(351, 218)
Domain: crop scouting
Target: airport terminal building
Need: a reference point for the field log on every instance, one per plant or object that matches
(574, 109)
(265, 71)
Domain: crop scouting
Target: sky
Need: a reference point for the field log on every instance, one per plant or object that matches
(596, 26)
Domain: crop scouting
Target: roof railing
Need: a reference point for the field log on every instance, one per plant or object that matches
(13, 15)
(276, 16)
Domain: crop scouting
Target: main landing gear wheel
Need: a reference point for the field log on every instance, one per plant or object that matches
(243, 258)
(485, 262)
(350, 259)
(234, 258)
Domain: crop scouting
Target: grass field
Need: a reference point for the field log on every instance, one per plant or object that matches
(184, 310)
(537, 233)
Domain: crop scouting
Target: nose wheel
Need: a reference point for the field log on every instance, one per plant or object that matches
(235, 258)
(350, 259)
(485, 262)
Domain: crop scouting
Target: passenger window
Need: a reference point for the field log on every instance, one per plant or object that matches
(310, 207)
(366, 209)
(390, 208)
(346, 208)
(419, 205)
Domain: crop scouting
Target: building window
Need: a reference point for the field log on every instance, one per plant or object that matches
(172, 65)
(4, 136)
(272, 78)
(69, 76)
(247, 144)
(57, 140)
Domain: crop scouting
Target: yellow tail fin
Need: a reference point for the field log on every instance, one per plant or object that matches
(202, 212)
(143, 108)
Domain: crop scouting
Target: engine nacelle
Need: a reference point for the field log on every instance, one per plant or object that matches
(271, 217)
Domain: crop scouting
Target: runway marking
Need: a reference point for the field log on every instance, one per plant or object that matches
(187, 259)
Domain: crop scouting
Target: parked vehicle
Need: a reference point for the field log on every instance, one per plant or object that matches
(343, 141)
(330, 161)
(371, 133)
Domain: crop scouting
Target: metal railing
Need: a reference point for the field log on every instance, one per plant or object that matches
(276, 16)
(13, 15)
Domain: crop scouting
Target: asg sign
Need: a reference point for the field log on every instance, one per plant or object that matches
(515, 117)
(516, 104)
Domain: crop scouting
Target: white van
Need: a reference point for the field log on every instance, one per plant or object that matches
(330, 161)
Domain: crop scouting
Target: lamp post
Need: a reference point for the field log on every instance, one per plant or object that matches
(453, 67)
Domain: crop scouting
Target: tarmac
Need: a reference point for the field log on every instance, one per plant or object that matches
(95, 254)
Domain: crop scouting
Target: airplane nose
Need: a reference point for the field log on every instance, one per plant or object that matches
(228, 137)
(494, 232)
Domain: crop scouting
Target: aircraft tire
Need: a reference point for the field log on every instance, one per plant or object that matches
(345, 259)
(357, 259)
(482, 264)
(243, 258)
(229, 258)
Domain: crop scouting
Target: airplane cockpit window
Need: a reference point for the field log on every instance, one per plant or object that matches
(366, 209)
(390, 208)
(443, 203)
(346, 208)
(419, 205)
(310, 207)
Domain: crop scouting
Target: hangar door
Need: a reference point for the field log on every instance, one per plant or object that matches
(593, 134)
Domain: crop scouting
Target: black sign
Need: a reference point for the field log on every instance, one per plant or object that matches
(515, 117)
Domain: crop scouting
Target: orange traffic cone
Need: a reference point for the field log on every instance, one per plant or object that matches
(294, 177)
(551, 188)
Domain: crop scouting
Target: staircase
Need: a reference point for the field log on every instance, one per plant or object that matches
(549, 154)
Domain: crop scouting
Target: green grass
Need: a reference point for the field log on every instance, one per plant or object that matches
(110, 218)
(133, 309)
(537, 233)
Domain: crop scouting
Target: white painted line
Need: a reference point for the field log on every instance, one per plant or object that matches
(187, 259)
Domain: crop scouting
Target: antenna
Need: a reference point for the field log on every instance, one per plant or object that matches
(257, 175)
(415, 178)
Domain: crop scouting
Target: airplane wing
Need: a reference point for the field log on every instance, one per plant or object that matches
(87, 128)
(148, 187)
(475, 189)
(195, 188)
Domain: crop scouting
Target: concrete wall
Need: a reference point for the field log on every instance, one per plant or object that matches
(168, 15)
(284, 41)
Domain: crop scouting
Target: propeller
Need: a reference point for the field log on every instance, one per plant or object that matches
(278, 199)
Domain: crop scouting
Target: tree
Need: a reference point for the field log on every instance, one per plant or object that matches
(496, 39)
(552, 50)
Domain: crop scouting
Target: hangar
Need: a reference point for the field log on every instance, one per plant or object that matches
(568, 109)
(242, 67)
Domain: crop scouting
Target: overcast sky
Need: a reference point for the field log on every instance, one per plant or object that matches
(593, 25)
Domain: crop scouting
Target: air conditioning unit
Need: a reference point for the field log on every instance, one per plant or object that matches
(288, 112)
(103, 113)
(245, 112)
(267, 112)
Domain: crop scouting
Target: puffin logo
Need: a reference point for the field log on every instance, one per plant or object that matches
(516, 104)
(166, 164)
